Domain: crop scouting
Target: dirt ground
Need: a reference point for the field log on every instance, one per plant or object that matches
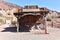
(9, 33)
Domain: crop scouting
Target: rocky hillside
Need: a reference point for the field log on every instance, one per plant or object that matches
(7, 5)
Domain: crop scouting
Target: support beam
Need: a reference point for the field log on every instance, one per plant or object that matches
(17, 27)
(45, 25)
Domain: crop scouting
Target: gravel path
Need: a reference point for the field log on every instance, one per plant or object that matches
(54, 34)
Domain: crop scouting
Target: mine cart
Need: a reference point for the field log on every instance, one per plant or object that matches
(31, 19)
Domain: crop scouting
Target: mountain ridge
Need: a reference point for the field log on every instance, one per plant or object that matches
(8, 5)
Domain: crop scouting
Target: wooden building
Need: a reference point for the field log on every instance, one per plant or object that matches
(31, 16)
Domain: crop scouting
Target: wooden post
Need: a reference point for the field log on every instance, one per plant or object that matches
(17, 25)
(17, 22)
(52, 24)
(45, 27)
(17, 28)
(52, 20)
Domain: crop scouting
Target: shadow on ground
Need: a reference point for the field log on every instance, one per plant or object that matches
(14, 29)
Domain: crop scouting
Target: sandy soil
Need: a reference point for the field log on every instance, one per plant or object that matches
(54, 34)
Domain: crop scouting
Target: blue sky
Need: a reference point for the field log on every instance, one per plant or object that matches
(50, 4)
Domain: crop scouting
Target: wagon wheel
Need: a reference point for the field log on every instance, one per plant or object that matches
(37, 26)
(41, 26)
